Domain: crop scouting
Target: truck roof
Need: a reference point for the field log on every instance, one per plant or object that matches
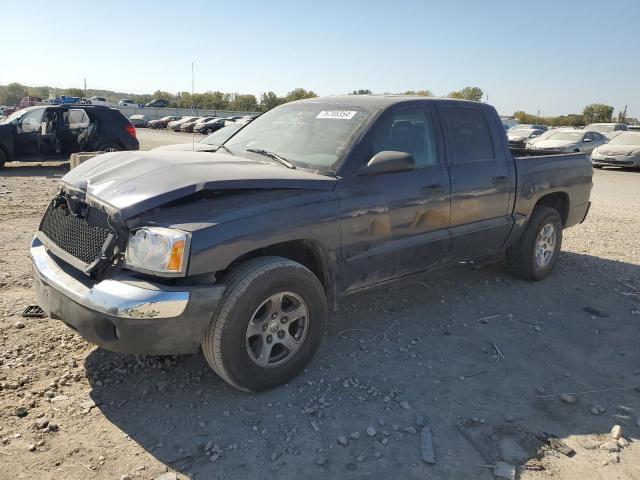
(379, 101)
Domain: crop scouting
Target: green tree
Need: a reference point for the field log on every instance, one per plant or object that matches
(73, 92)
(421, 93)
(270, 100)
(361, 92)
(244, 103)
(468, 93)
(299, 94)
(597, 112)
(13, 93)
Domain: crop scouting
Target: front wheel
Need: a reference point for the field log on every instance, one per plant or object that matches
(208, 131)
(536, 253)
(3, 158)
(269, 324)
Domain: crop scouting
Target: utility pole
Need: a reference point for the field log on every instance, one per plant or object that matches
(85, 88)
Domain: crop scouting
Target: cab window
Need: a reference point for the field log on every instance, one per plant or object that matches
(407, 130)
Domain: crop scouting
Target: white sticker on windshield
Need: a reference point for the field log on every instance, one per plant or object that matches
(337, 114)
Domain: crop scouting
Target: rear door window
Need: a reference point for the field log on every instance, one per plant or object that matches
(469, 134)
(76, 118)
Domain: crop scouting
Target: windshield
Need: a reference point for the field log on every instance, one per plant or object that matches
(630, 138)
(15, 116)
(599, 128)
(217, 138)
(572, 136)
(312, 135)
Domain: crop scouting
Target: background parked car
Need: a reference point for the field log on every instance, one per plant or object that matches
(63, 100)
(210, 143)
(518, 137)
(99, 101)
(127, 102)
(622, 151)
(572, 141)
(605, 128)
(544, 135)
(176, 124)
(158, 102)
(212, 125)
(29, 102)
(162, 122)
(139, 121)
(188, 126)
(535, 126)
(55, 131)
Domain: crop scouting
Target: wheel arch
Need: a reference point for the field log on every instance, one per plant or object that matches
(558, 201)
(307, 252)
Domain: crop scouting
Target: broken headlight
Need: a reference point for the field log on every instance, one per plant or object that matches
(157, 250)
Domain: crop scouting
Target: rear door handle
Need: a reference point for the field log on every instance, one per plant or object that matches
(500, 180)
(436, 187)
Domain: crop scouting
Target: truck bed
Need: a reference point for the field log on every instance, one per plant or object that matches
(563, 177)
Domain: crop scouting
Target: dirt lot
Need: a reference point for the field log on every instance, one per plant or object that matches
(476, 353)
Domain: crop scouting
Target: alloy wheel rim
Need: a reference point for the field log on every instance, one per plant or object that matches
(277, 329)
(545, 245)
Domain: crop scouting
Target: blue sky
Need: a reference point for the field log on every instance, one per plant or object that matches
(553, 56)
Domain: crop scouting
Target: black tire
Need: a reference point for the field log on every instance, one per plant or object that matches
(109, 147)
(3, 158)
(248, 286)
(208, 131)
(522, 256)
(599, 167)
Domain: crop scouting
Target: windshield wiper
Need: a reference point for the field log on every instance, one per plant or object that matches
(227, 149)
(273, 156)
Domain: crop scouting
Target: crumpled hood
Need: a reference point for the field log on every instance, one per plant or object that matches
(617, 149)
(129, 183)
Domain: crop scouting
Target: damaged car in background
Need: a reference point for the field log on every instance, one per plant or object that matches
(54, 132)
(246, 251)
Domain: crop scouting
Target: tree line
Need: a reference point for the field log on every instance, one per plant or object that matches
(593, 113)
(12, 93)
(211, 100)
(215, 100)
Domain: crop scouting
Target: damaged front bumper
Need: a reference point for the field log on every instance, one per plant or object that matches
(124, 314)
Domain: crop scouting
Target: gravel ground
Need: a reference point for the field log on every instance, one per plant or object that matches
(474, 354)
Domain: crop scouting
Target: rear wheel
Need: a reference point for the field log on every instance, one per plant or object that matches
(536, 253)
(268, 325)
(110, 147)
(599, 167)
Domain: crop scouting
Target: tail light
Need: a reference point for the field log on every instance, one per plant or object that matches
(131, 130)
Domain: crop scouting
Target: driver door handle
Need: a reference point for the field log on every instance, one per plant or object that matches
(436, 187)
(500, 180)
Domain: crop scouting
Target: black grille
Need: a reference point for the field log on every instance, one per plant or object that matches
(74, 235)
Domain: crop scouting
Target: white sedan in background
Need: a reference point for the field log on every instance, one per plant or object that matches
(622, 151)
(572, 141)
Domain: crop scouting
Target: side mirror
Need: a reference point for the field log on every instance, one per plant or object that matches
(388, 161)
(586, 140)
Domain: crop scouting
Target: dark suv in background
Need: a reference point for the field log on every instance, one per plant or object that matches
(54, 132)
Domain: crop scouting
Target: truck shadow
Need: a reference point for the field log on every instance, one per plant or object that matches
(482, 355)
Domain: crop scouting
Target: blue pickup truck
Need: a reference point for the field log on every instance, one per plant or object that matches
(246, 251)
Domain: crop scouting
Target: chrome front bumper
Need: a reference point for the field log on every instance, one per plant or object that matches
(111, 297)
(124, 313)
